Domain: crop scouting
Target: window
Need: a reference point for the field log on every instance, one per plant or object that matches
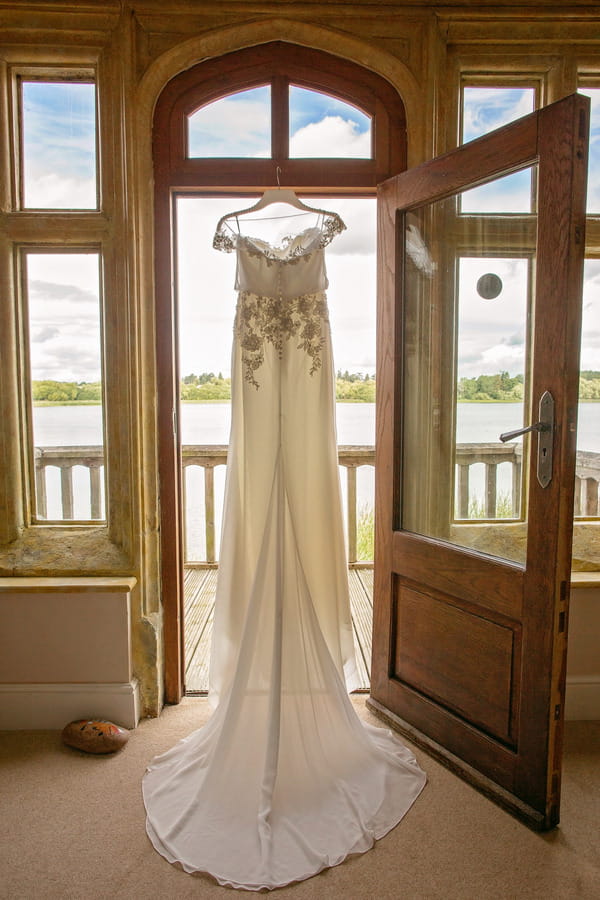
(64, 370)
(325, 126)
(483, 110)
(61, 298)
(485, 107)
(588, 429)
(238, 125)
(280, 107)
(59, 253)
(58, 144)
(593, 191)
(495, 261)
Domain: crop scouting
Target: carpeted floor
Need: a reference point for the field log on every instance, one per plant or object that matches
(72, 827)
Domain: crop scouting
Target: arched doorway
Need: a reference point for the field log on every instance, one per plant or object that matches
(280, 71)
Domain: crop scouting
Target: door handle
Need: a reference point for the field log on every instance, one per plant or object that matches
(545, 430)
(511, 435)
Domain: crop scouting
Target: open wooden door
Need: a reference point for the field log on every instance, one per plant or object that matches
(470, 615)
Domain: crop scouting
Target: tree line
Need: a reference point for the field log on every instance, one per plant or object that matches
(351, 387)
(66, 391)
(504, 387)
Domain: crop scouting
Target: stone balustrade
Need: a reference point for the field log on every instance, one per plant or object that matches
(351, 458)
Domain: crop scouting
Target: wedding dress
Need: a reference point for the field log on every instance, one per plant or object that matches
(284, 780)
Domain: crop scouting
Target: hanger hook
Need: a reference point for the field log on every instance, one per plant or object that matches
(277, 174)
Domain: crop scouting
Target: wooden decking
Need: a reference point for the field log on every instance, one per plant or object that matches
(200, 584)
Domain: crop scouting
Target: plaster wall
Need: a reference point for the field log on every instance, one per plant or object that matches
(65, 652)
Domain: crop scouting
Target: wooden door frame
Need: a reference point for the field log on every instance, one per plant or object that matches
(279, 63)
(541, 713)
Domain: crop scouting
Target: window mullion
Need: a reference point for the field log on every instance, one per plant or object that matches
(280, 131)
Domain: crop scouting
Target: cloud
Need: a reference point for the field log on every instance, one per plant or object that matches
(238, 125)
(41, 335)
(488, 108)
(64, 316)
(514, 340)
(59, 137)
(360, 219)
(53, 190)
(73, 355)
(333, 137)
(40, 291)
(308, 106)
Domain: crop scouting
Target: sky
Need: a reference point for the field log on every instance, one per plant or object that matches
(206, 279)
(59, 145)
(240, 125)
(64, 316)
(59, 170)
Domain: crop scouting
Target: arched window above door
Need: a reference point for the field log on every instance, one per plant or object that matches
(241, 125)
(320, 120)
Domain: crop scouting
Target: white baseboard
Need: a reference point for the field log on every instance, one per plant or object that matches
(33, 706)
(582, 700)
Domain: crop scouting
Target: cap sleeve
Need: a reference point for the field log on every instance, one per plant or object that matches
(223, 241)
(332, 225)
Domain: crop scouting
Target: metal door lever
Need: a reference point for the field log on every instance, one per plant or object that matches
(545, 429)
(511, 435)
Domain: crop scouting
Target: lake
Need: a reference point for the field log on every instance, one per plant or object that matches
(208, 423)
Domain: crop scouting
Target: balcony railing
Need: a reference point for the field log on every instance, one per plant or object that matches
(351, 458)
(66, 459)
(492, 456)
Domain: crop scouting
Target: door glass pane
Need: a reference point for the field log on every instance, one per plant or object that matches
(59, 145)
(325, 126)
(238, 125)
(484, 109)
(467, 306)
(65, 378)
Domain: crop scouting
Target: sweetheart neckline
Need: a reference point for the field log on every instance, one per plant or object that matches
(287, 240)
(325, 232)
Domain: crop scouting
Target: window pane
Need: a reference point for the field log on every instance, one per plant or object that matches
(63, 303)
(59, 145)
(588, 428)
(321, 125)
(235, 126)
(484, 110)
(593, 188)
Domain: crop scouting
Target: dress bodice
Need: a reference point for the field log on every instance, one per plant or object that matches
(293, 269)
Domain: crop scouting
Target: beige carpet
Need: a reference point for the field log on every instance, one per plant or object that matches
(72, 827)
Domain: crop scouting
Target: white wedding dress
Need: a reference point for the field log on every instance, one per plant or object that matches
(284, 780)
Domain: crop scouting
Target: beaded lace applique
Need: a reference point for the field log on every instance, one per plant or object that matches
(270, 319)
(332, 225)
(276, 320)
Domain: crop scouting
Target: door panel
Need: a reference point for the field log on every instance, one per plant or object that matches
(470, 613)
